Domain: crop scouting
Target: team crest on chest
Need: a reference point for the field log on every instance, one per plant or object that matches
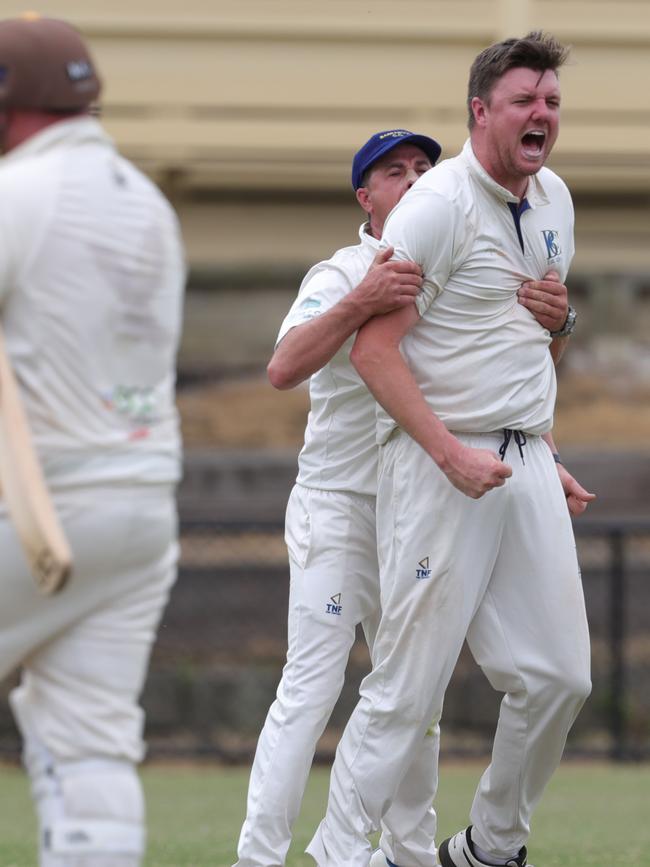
(552, 242)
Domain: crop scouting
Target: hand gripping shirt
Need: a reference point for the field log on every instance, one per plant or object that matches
(91, 283)
(340, 452)
(479, 357)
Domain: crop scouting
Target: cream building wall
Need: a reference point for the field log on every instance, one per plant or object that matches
(248, 111)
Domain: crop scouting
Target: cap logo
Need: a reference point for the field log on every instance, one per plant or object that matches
(394, 133)
(79, 70)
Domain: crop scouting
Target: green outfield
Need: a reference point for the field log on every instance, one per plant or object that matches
(593, 815)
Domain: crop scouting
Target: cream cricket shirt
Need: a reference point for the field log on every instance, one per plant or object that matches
(91, 282)
(480, 357)
(340, 452)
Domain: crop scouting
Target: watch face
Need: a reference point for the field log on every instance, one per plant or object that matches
(570, 323)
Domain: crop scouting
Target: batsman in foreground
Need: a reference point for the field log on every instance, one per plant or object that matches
(91, 286)
(471, 545)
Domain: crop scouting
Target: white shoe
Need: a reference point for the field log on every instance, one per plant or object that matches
(378, 859)
(458, 851)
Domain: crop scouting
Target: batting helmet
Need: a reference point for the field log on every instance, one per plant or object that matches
(44, 64)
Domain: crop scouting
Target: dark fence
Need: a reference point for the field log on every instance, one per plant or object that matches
(625, 622)
(222, 644)
(222, 641)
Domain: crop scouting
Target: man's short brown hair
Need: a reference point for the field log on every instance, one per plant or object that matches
(537, 50)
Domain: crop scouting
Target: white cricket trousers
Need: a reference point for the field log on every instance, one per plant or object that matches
(501, 570)
(334, 586)
(84, 652)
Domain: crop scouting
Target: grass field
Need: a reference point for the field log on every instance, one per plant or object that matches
(593, 815)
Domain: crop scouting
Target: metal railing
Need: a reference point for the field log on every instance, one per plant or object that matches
(222, 643)
(611, 581)
(618, 533)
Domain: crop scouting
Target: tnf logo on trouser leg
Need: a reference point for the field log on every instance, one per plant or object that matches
(334, 605)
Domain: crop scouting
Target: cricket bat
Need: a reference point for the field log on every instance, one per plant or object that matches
(23, 488)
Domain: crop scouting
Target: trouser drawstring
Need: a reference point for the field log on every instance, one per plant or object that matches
(520, 439)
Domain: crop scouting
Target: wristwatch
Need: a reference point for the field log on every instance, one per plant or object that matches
(569, 324)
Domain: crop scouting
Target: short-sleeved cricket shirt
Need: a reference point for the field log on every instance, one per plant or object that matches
(480, 358)
(340, 452)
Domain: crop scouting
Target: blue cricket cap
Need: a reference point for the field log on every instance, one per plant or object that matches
(382, 142)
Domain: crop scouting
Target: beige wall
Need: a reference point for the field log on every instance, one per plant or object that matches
(248, 111)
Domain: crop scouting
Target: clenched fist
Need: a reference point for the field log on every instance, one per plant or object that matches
(475, 471)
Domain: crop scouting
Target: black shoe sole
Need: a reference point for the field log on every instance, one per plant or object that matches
(443, 854)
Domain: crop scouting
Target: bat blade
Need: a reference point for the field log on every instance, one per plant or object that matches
(24, 490)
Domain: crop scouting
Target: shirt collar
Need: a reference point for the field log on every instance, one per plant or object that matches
(367, 238)
(535, 193)
(76, 130)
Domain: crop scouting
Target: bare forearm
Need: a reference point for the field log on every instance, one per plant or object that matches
(557, 347)
(400, 396)
(578, 498)
(309, 347)
(377, 357)
(550, 442)
(388, 285)
(472, 471)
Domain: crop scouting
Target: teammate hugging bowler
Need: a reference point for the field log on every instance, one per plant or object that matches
(466, 380)
(91, 285)
(330, 522)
